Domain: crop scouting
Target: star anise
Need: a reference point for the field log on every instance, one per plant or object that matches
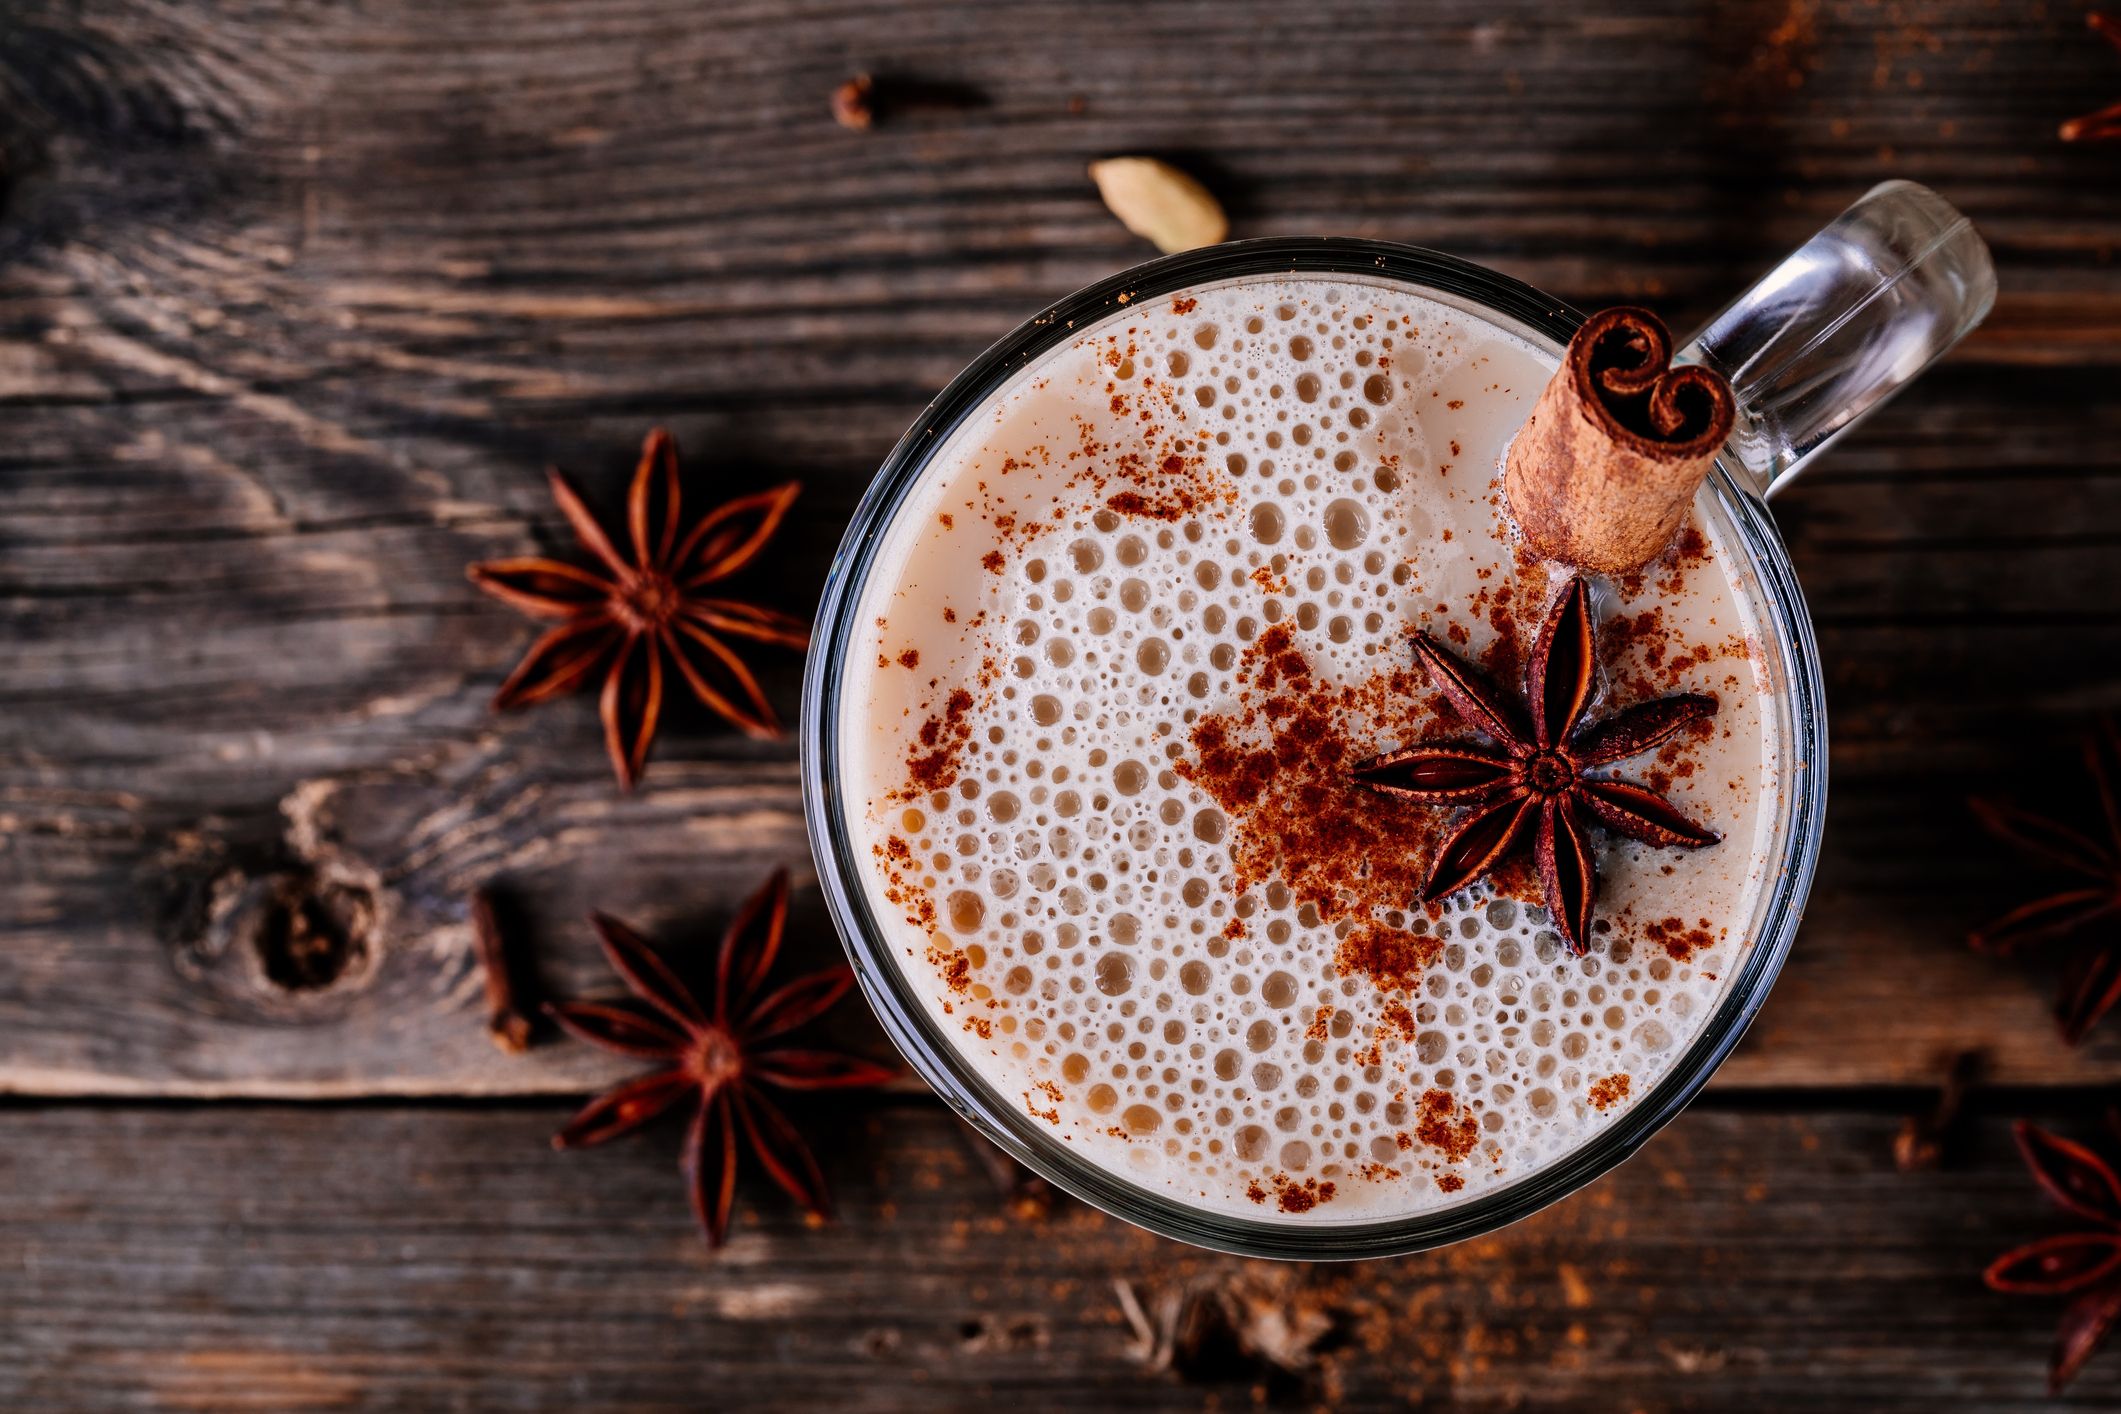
(715, 1055)
(1536, 782)
(2092, 983)
(622, 618)
(2104, 125)
(2086, 1261)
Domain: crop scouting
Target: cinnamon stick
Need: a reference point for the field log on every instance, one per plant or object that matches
(1604, 470)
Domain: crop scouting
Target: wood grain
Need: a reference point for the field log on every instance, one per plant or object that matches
(368, 1258)
(296, 300)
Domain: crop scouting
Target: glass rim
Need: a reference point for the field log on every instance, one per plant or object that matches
(903, 1014)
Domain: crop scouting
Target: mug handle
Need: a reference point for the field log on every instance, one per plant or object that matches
(1860, 310)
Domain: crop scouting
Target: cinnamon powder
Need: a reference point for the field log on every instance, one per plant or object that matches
(1446, 1127)
(1294, 810)
(933, 763)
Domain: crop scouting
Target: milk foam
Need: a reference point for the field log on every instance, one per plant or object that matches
(1084, 578)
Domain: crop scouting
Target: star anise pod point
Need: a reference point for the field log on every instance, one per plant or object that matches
(624, 617)
(2085, 1263)
(715, 1054)
(1533, 779)
(2105, 124)
(2091, 985)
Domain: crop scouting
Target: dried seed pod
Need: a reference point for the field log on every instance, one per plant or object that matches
(508, 1012)
(1159, 203)
(853, 102)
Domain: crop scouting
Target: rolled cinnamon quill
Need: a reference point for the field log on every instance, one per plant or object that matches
(1602, 473)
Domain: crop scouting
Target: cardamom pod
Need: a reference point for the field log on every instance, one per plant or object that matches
(1159, 203)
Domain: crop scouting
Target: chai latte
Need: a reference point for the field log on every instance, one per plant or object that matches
(1118, 653)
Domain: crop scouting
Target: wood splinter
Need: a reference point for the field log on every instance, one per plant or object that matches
(1604, 470)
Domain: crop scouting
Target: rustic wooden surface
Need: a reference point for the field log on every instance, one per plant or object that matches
(295, 301)
(355, 1257)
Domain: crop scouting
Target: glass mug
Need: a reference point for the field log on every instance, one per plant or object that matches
(1824, 338)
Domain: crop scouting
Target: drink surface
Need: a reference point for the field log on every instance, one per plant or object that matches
(1114, 660)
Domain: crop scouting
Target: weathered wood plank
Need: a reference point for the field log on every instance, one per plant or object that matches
(1880, 989)
(295, 300)
(364, 1258)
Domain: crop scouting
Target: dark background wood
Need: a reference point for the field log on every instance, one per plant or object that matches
(295, 301)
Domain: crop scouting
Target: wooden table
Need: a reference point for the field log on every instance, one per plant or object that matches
(299, 298)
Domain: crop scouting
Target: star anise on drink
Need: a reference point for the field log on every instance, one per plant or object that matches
(1534, 782)
(715, 1055)
(2087, 1261)
(2104, 125)
(2092, 983)
(622, 618)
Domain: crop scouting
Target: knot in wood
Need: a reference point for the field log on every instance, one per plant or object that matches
(278, 936)
(309, 932)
